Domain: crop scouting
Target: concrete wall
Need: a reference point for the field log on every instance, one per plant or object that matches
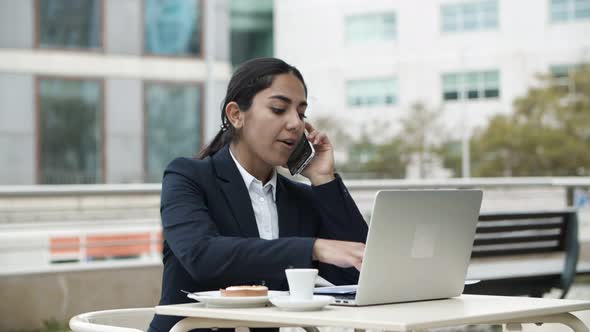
(222, 47)
(28, 300)
(17, 129)
(212, 115)
(16, 24)
(124, 131)
(123, 27)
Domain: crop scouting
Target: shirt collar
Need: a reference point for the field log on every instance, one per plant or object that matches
(249, 178)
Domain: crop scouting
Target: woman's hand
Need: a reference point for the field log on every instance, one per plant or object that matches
(340, 253)
(321, 168)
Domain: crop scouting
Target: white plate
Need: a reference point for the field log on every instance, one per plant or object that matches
(289, 304)
(214, 299)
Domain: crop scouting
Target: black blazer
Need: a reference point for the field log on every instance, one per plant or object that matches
(211, 239)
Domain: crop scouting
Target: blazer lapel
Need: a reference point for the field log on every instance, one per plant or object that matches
(286, 210)
(235, 191)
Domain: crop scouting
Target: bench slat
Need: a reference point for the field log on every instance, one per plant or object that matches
(517, 239)
(512, 228)
(503, 252)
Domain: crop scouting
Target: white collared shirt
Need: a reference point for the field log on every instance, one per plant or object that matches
(263, 200)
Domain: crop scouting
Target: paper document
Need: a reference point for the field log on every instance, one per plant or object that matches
(351, 289)
(347, 289)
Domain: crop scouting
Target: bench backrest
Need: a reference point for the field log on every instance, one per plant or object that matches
(534, 233)
(516, 233)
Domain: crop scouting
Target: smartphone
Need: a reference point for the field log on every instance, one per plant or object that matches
(301, 156)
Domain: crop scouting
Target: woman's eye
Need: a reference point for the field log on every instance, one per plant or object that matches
(277, 110)
(302, 116)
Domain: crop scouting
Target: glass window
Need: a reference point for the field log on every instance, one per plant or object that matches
(388, 26)
(568, 10)
(371, 92)
(472, 85)
(562, 74)
(172, 27)
(450, 18)
(173, 125)
(491, 84)
(582, 9)
(373, 27)
(251, 26)
(560, 71)
(559, 10)
(451, 86)
(71, 131)
(469, 16)
(69, 24)
(489, 13)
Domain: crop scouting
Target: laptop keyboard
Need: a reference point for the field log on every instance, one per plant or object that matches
(345, 296)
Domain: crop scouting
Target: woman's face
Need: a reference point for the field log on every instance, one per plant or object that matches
(275, 122)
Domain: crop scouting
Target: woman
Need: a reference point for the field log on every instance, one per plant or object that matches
(230, 219)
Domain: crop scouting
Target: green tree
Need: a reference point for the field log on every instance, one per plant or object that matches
(375, 160)
(388, 159)
(548, 133)
(333, 128)
(449, 151)
(419, 133)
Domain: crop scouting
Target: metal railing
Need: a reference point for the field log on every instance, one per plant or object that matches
(48, 227)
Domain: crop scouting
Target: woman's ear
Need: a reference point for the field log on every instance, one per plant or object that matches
(234, 115)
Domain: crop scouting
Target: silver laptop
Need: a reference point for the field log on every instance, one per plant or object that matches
(418, 247)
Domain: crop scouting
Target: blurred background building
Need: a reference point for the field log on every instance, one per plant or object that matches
(106, 91)
(109, 91)
(368, 62)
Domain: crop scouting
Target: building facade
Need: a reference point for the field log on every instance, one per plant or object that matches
(107, 91)
(367, 62)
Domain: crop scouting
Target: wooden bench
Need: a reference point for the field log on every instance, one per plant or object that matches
(525, 253)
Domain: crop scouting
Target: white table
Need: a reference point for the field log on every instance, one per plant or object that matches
(414, 316)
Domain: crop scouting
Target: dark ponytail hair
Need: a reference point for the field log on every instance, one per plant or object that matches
(250, 78)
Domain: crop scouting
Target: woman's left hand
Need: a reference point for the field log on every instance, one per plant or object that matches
(321, 168)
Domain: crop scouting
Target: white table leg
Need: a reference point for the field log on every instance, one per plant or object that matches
(189, 323)
(514, 327)
(566, 319)
(185, 325)
(311, 329)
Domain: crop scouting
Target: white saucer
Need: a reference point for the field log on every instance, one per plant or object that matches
(214, 299)
(289, 304)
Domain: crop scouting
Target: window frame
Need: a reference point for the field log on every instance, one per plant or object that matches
(37, 32)
(199, 56)
(144, 128)
(564, 81)
(480, 18)
(374, 15)
(571, 13)
(37, 114)
(383, 98)
(463, 87)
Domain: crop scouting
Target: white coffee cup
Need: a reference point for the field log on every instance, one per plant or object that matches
(301, 283)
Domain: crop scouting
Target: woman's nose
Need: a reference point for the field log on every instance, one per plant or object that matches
(294, 121)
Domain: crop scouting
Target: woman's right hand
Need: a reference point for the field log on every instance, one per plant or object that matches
(340, 253)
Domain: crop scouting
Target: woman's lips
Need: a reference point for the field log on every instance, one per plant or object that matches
(289, 144)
